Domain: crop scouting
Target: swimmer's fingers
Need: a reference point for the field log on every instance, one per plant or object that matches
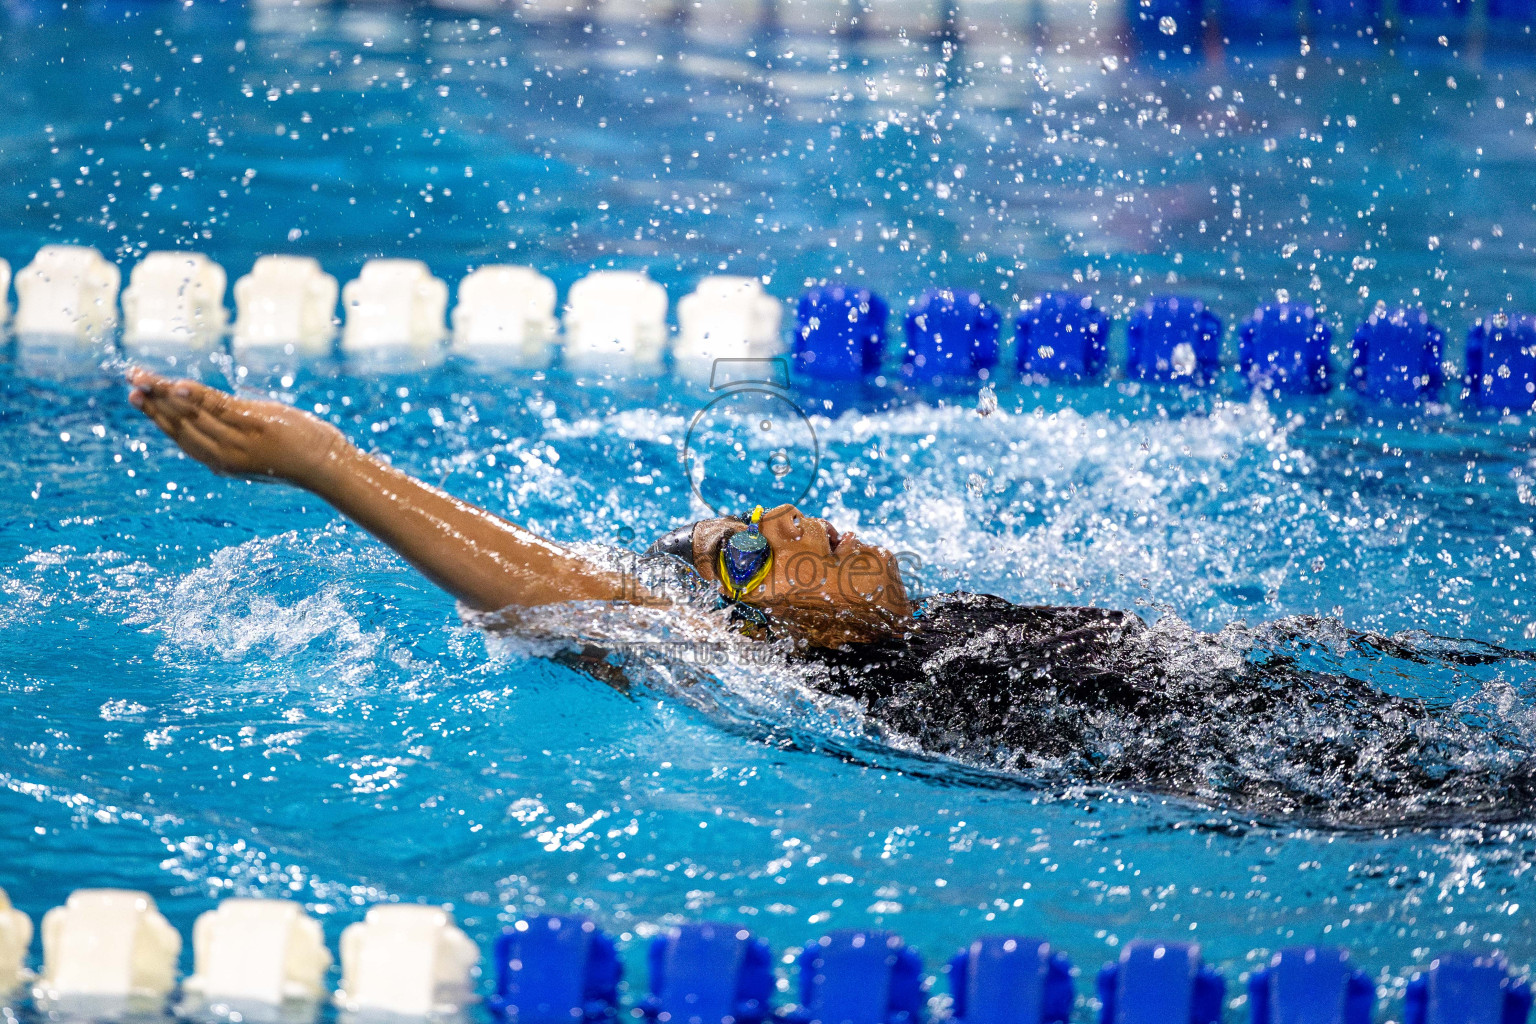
(220, 415)
(193, 435)
(163, 414)
(188, 397)
(154, 392)
(209, 439)
(188, 437)
(144, 386)
(183, 431)
(143, 380)
(208, 406)
(213, 454)
(215, 413)
(160, 417)
(232, 436)
(149, 386)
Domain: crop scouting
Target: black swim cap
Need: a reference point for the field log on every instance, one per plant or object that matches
(678, 542)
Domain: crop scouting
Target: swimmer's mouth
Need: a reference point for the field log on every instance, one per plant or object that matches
(838, 541)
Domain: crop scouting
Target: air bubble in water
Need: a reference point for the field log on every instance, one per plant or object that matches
(1167, 26)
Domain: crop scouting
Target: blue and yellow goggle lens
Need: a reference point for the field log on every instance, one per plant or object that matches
(745, 559)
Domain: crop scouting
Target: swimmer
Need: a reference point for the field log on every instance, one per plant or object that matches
(824, 586)
(1069, 696)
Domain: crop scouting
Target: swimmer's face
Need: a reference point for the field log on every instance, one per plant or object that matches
(823, 578)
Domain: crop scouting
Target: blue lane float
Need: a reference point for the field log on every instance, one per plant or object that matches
(1501, 362)
(1465, 987)
(1160, 983)
(706, 973)
(556, 968)
(1285, 348)
(564, 968)
(951, 336)
(1432, 8)
(1258, 19)
(1396, 356)
(1174, 338)
(1005, 980)
(840, 334)
(1343, 15)
(1062, 337)
(862, 977)
(1522, 12)
(1310, 985)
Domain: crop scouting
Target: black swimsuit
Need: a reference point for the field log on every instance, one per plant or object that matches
(1088, 696)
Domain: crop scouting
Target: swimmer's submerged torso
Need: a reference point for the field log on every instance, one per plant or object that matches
(1086, 696)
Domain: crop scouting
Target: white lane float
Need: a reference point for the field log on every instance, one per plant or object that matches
(175, 298)
(406, 959)
(15, 938)
(914, 17)
(393, 304)
(108, 942)
(556, 12)
(67, 291)
(727, 317)
(636, 12)
(506, 314)
(615, 319)
(285, 304)
(260, 950)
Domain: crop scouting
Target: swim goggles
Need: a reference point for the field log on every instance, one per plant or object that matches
(745, 559)
(742, 564)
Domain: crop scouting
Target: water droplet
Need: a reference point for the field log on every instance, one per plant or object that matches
(986, 401)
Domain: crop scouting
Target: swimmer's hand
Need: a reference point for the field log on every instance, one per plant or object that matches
(236, 436)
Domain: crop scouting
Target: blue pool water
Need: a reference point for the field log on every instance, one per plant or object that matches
(215, 688)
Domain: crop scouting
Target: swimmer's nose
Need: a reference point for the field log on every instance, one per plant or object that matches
(787, 519)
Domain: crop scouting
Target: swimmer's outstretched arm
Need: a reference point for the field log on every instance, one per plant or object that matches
(483, 560)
